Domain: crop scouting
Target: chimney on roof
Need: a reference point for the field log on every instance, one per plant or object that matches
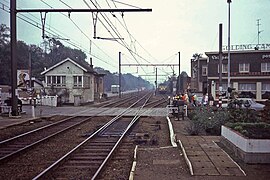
(91, 63)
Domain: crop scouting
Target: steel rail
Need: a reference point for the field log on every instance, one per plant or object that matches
(21, 149)
(49, 125)
(56, 163)
(136, 117)
(53, 125)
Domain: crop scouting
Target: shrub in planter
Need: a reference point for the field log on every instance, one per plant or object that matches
(252, 130)
(237, 114)
(266, 112)
(206, 120)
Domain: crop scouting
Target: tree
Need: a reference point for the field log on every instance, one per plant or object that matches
(59, 52)
(5, 63)
(4, 35)
(196, 56)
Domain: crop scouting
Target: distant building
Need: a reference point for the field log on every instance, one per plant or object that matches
(198, 80)
(249, 73)
(73, 82)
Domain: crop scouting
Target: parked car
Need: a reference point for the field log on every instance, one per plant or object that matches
(247, 103)
(250, 103)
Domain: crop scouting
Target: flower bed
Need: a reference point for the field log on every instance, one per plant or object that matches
(249, 150)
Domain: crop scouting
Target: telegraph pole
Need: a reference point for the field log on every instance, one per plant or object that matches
(229, 45)
(220, 65)
(179, 72)
(120, 75)
(220, 57)
(13, 27)
(156, 82)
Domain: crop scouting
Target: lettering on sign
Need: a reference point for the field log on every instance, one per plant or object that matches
(247, 47)
(266, 56)
(214, 57)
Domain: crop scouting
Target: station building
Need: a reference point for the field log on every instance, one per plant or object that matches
(249, 73)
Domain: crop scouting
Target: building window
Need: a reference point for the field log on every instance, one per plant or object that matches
(224, 68)
(53, 80)
(265, 90)
(204, 70)
(63, 80)
(247, 90)
(77, 80)
(56, 81)
(244, 67)
(49, 80)
(247, 87)
(265, 67)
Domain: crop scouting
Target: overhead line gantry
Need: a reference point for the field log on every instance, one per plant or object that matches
(13, 34)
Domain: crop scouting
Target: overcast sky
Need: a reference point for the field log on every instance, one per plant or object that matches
(188, 26)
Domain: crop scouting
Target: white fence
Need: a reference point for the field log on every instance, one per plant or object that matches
(48, 101)
(171, 109)
(43, 101)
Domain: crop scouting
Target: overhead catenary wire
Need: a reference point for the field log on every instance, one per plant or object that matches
(128, 48)
(105, 17)
(53, 33)
(117, 34)
(91, 41)
(115, 31)
(61, 35)
(124, 25)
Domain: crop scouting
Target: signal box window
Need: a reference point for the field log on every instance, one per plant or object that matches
(56, 81)
(77, 80)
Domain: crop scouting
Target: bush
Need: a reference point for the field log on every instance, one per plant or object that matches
(206, 120)
(251, 130)
(237, 114)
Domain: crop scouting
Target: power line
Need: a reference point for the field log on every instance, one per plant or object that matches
(115, 31)
(90, 53)
(37, 25)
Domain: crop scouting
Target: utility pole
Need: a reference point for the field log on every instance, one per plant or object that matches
(120, 75)
(179, 72)
(30, 70)
(156, 82)
(13, 28)
(198, 73)
(220, 65)
(13, 34)
(229, 45)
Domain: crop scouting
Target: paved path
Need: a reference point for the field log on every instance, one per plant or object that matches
(207, 158)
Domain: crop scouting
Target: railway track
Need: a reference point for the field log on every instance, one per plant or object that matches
(117, 102)
(90, 157)
(24, 155)
(20, 143)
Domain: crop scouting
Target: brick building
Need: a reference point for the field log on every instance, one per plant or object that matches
(249, 73)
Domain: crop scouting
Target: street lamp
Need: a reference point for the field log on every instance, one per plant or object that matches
(229, 44)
